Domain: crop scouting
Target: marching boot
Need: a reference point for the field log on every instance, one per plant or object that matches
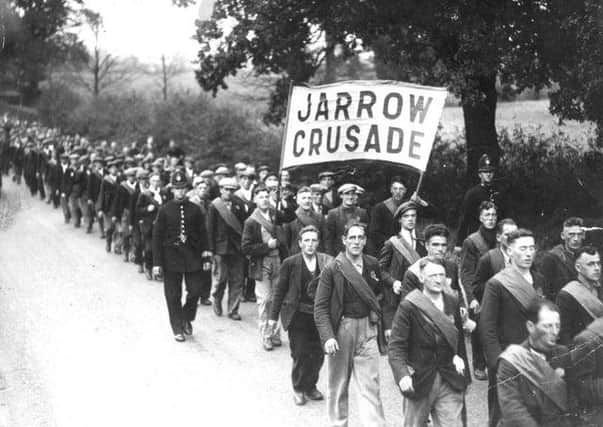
(140, 268)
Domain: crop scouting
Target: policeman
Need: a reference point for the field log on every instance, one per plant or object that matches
(485, 190)
(180, 249)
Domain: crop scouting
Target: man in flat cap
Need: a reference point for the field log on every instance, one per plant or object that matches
(330, 198)
(225, 228)
(180, 250)
(120, 213)
(150, 200)
(77, 189)
(317, 192)
(383, 225)
(339, 217)
(399, 252)
(107, 194)
(263, 171)
(304, 216)
(66, 185)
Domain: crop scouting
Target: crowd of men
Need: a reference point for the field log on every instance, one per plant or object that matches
(347, 284)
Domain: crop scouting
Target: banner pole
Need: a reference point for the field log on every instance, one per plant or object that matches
(419, 183)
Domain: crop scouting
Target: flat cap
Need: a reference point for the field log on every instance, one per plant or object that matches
(325, 174)
(142, 173)
(405, 207)
(346, 188)
(131, 172)
(206, 173)
(228, 183)
(222, 170)
(318, 188)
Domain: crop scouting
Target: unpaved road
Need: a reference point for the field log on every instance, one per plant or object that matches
(85, 342)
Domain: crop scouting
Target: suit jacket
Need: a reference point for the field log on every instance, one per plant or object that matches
(93, 186)
(255, 249)
(328, 305)
(382, 226)
(107, 194)
(66, 180)
(393, 267)
(488, 265)
(410, 282)
(502, 319)
(287, 292)
(522, 403)
(168, 251)
(471, 255)
(586, 376)
(145, 217)
(335, 225)
(574, 318)
(416, 343)
(557, 267)
(223, 240)
(121, 202)
(292, 228)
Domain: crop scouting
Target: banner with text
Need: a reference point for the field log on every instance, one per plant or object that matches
(362, 120)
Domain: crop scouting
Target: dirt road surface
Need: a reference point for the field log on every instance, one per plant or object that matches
(85, 342)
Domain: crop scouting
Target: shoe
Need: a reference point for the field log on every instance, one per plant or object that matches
(299, 398)
(108, 247)
(103, 236)
(217, 308)
(251, 298)
(179, 337)
(235, 316)
(148, 275)
(140, 268)
(267, 344)
(88, 230)
(480, 374)
(187, 327)
(276, 341)
(314, 394)
(117, 251)
(126, 257)
(204, 301)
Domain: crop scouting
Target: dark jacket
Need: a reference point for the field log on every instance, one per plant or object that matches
(469, 215)
(168, 250)
(255, 249)
(410, 282)
(223, 240)
(557, 267)
(122, 200)
(93, 186)
(67, 178)
(586, 376)
(287, 292)
(417, 343)
(502, 319)
(292, 229)
(522, 403)
(335, 225)
(488, 265)
(328, 305)
(471, 255)
(382, 226)
(107, 194)
(393, 267)
(574, 318)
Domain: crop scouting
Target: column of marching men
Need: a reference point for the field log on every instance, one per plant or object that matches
(347, 284)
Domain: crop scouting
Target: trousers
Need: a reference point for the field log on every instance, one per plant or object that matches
(357, 359)
(443, 403)
(306, 352)
(228, 270)
(172, 286)
(263, 293)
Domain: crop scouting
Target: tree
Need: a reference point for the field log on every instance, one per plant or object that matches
(167, 71)
(576, 54)
(103, 71)
(37, 36)
(462, 44)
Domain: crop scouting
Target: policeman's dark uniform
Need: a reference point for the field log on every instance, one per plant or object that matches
(469, 217)
(179, 247)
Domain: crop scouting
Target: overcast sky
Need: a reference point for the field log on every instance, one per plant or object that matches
(146, 28)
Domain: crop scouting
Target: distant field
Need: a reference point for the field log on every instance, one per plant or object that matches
(532, 116)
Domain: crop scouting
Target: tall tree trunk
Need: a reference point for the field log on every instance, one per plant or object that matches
(330, 65)
(164, 87)
(96, 73)
(480, 129)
